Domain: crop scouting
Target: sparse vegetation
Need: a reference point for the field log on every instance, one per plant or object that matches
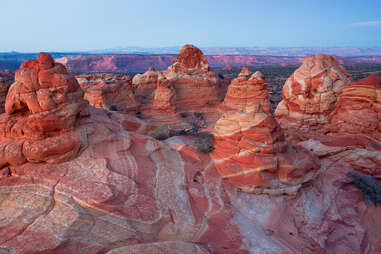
(161, 136)
(204, 142)
(139, 115)
(370, 189)
(113, 108)
(184, 114)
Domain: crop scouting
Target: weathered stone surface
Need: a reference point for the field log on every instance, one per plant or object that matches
(127, 192)
(358, 109)
(164, 96)
(4, 86)
(169, 247)
(190, 76)
(250, 149)
(309, 95)
(108, 91)
(145, 85)
(42, 108)
(246, 91)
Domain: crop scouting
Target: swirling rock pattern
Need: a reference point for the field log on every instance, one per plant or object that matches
(250, 149)
(310, 94)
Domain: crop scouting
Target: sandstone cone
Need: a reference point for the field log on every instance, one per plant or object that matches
(250, 150)
(194, 83)
(164, 96)
(246, 91)
(358, 109)
(42, 108)
(310, 93)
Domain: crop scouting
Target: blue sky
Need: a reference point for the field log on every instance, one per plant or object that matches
(72, 25)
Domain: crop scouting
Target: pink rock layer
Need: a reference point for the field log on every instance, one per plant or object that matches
(358, 109)
(126, 192)
(245, 91)
(42, 108)
(108, 91)
(310, 94)
(250, 150)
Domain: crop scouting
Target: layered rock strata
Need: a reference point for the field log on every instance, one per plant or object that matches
(250, 150)
(42, 108)
(310, 94)
(108, 91)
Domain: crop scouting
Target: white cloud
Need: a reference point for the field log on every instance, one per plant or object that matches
(366, 24)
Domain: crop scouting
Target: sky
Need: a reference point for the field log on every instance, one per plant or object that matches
(80, 25)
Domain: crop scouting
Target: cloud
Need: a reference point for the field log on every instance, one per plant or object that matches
(366, 24)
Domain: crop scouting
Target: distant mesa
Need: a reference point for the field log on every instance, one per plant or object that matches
(228, 67)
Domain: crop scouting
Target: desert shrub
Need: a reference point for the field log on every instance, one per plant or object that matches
(204, 142)
(197, 122)
(161, 136)
(184, 114)
(139, 115)
(370, 189)
(113, 108)
(181, 132)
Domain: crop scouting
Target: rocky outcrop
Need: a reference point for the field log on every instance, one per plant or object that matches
(250, 150)
(42, 108)
(358, 109)
(4, 86)
(309, 95)
(123, 191)
(164, 96)
(246, 91)
(145, 85)
(108, 91)
(190, 76)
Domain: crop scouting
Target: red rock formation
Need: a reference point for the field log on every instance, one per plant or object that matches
(250, 150)
(127, 192)
(164, 96)
(190, 77)
(145, 84)
(42, 108)
(358, 109)
(4, 86)
(190, 60)
(108, 91)
(309, 95)
(246, 91)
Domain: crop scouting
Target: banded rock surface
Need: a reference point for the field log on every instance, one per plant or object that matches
(250, 149)
(310, 94)
(4, 86)
(358, 109)
(108, 91)
(245, 91)
(190, 76)
(42, 108)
